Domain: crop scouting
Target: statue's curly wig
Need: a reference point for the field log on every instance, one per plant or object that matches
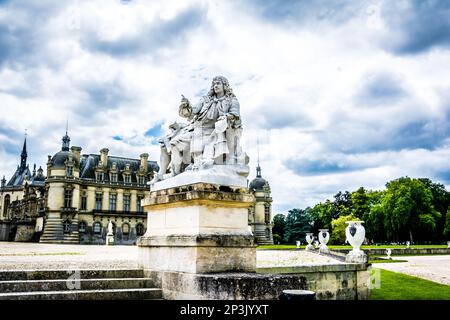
(226, 87)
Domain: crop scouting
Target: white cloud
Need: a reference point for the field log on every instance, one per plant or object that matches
(118, 69)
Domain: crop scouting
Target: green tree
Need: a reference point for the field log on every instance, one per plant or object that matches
(320, 216)
(374, 224)
(297, 225)
(408, 210)
(441, 200)
(279, 224)
(447, 225)
(360, 202)
(342, 204)
(339, 225)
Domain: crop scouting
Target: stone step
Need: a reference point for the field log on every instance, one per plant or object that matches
(9, 275)
(68, 284)
(109, 294)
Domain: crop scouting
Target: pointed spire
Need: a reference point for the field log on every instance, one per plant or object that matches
(258, 168)
(24, 154)
(66, 139)
(3, 182)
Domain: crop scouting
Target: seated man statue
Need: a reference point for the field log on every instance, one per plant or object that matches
(211, 137)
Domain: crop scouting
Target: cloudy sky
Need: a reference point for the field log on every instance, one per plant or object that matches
(340, 94)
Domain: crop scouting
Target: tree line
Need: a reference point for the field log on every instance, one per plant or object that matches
(409, 209)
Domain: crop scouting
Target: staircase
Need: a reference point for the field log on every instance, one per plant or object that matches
(53, 231)
(77, 285)
(261, 238)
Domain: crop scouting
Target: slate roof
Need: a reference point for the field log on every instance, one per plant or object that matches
(90, 162)
(60, 158)
(18, 177)
(259, 182)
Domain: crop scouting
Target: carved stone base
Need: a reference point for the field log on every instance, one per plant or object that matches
(197, 253)
(224, 286)
(198, 228)
(356, 257)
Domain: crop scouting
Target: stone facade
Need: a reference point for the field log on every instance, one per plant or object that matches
(85, 192)
(77, 199)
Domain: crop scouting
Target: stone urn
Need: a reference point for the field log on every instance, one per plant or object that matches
(355, 234)
(407, 244)
(298, 243)
(316, 244)
(324, 237)
(309, 239)
(388, 254)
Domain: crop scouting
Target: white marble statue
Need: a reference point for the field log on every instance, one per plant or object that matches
(110, 234)
(110, 227)
(211, 138)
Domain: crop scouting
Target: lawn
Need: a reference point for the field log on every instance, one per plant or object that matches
(376, 260)
(291, 246)
(397, 286)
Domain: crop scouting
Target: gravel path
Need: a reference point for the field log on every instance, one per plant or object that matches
(434, 268)
(23, 256)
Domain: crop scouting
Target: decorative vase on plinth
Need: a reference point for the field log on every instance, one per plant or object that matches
(388, 254)
(355, 234)
(408, 244)
(298, 243)
(316, 244)
(309, 238)
(324, 237)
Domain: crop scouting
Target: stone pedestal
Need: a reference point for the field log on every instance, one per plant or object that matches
(356, 257)
(109, 239)
(198, 228)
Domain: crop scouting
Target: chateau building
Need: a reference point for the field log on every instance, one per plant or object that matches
(22, 202)
(260, 214)
(78, 198)
(82, 193)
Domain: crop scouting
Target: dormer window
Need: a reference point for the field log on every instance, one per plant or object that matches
(127, 178)
(141, 179)
(69, 171)
(99, 176)
(113, 177)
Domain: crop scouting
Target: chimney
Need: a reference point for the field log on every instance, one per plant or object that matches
(144, 161)
(104, 157)
(76, 153)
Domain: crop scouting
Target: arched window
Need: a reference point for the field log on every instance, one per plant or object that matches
(125, 228)
(97, 227)
(67, 226)
(140, 229)
(6, 204)
(82, 227)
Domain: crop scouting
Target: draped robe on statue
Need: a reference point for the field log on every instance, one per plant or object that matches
(210, 134)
